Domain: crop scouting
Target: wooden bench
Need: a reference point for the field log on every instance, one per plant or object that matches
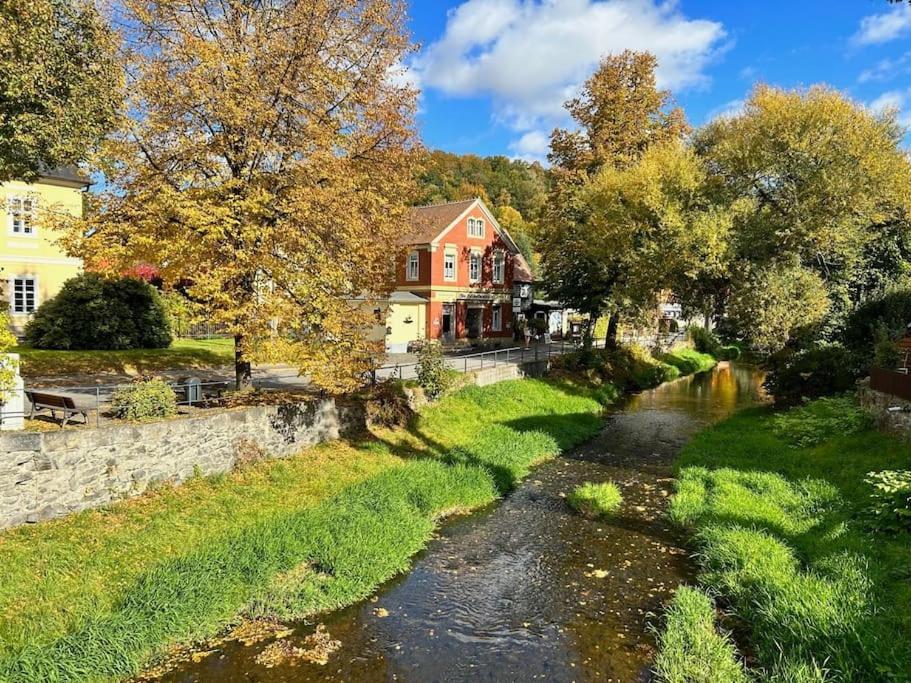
(54, 403)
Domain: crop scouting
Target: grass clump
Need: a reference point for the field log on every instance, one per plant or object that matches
(596, 500)
(815, 422)
(689, 361)
(98, 595)
(691, 648)
(775, 504)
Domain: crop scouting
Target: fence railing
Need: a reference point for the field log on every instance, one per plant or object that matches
(92, 403)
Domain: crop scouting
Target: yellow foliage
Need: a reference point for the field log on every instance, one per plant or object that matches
(268, 172)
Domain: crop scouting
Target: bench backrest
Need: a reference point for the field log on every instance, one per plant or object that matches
(50, 400)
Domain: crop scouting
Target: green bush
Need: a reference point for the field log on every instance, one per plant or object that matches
(730, 352)
(145, 400)
(433, 373)
(886, 354)
(809, 374)
(704, 341)
(890, 509)
(95, 312)
(596, 500)
(691, 648)
(820, 420)
(885, 318)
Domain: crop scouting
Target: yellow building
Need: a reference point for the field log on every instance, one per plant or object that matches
(32, 266)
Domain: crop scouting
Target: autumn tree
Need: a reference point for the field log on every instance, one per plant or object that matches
(59, 84)
(264, 165)
(619, 114)
(828, 190)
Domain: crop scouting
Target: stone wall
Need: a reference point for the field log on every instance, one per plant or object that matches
(49, 474)
(892, 414)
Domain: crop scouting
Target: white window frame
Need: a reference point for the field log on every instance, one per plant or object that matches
(475, 263)
(450, 274)
(27, 219)
(476, 227)
(496, 318)
(413, 267)
(12, 294)
(499, 268)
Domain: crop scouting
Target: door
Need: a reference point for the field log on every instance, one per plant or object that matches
(473, 321)
(448, 323)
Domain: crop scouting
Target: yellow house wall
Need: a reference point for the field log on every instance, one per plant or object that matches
(37, 255)
(399, 332)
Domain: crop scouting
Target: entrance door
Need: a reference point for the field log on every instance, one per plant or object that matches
(448, 323)
(474, 321)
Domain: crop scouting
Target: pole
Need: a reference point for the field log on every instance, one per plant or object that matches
(97, 406)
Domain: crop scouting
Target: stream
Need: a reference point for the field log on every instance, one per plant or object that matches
(527, 590)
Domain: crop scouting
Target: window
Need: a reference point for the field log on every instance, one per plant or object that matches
(22, 216)
(449, 265)
(496, 319)
(414, 266)
(23, 299)
(475, 227)
(499, 267)
(474, 267)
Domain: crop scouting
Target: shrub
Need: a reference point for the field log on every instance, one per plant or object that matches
(886, 354)
(144, 400)
(387, 405)
(691, 649)
(885, 318)
(730, 352)
(704, 341)
(596, 500)
(822, 419)
(890, 509)
(94, 312)
(432, 371)
(809, 374)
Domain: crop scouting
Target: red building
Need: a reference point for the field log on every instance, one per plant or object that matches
(463, 264)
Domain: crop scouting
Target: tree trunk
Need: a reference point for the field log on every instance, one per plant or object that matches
(243, 371)
(613, 326)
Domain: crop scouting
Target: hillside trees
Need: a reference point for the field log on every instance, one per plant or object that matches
(265, 165)
(59, 84)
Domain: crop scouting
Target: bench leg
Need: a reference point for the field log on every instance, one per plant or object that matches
(66, 418)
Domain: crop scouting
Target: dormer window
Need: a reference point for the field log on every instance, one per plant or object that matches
(475, 227)
(21, 215)
(413, 270)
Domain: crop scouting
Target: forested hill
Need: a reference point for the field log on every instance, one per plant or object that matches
(498, 180)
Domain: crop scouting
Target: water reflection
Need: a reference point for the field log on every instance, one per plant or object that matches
(527, 590)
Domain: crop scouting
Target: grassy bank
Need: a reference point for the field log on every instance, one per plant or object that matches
(689, 361)
(183, 353)
(777, 506)
(95, 596)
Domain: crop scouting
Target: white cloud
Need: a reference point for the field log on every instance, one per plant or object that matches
(532, 146)
(897, 101)
(887, 69)
(727, 110)
(883, 27)
(530, 56)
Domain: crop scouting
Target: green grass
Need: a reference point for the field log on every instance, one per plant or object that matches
(183, 353)
(596, 500)
(97, 595)
(780, 539)
(689, 361)
(691, 648)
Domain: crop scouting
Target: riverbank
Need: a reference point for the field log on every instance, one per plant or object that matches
(98, 595)
(778, 510)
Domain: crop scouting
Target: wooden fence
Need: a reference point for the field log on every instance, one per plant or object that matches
(891, 382)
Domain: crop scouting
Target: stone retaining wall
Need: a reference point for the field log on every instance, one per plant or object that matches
(892, 414)
(49, 474)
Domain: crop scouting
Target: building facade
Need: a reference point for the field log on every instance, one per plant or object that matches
(32, 266)
(461, 263)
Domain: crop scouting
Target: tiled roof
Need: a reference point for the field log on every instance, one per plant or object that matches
(427, 222)
(69, 174)
(521, 271)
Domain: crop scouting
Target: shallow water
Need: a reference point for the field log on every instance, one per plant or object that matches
(527, 590)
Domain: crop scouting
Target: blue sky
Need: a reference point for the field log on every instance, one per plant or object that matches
(494, 73)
